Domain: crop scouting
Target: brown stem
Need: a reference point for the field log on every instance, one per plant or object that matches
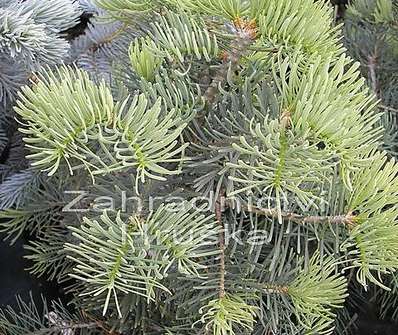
(276, 289)
(100, 324)
(109, 38)
(372, 73)
(346, 219)
(372, 67)
(245, 34)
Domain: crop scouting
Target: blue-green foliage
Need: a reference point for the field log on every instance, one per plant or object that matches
(196, 100)
(30, 38)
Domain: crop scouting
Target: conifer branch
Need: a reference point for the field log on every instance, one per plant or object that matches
(218, 213)
(245, 34)
(289, 117)
(388, 108)
(372, 67)
(100, 324)
(344, 219)
(372, 73)
(68, 327)
(108, 38)
(279, 289)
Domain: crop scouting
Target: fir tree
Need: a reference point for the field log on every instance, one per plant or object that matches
(226, 164)
(32, 35)
(371, 38)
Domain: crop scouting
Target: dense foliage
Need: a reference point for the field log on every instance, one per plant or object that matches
(199, 166)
